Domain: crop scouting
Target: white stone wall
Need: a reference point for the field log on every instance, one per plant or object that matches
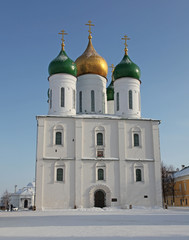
(68, 82)
(86, 83)
(110, 107)
(78, 158)
(122, 86)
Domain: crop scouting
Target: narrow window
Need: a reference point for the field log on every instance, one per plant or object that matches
(62, 97)
(117, 101)
(138, 175)
(136, 140)
(186, 202)
(73, 98)
(99, 139)
(130, 99)
(51, 98)
(100, 174)
(92, 101)
(58, 138)
(59, 176)
(80, 101)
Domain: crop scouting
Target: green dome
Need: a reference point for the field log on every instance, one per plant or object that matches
(126, 68)
(110, 91)
(62, 64)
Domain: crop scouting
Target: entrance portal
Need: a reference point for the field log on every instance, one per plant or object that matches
(25, 203)
(99, 198)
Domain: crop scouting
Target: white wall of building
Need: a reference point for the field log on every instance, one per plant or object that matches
(56, 82)
(78, 157)
(85, 84)
(122, 86)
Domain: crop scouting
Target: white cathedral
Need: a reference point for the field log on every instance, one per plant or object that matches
(93, 147)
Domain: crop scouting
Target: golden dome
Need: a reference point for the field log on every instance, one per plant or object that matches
(91, 62)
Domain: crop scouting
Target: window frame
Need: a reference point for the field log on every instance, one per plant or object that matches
(138, 177)
(137, 131)
(100, 166)
(92, 101)
(80, 101)
(100, 172)
(130, 99)
(58, 174)
(56, 129)
(136, 139)
(59, 165)
(62, 97)
(58, 138)
(117, 101)
(138, 166)
(99, 141)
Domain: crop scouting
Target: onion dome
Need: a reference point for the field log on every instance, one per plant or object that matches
(62, 63)
(90, 61)
(126, 68)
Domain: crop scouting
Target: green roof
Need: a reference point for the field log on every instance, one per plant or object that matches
(126, 68)
(62, 64)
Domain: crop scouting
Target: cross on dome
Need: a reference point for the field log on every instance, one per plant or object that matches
(126, 38)
(112, 67)
(89, 24)
(63, 33)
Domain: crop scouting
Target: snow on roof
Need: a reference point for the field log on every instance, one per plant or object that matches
(183, 172)
(31, 184)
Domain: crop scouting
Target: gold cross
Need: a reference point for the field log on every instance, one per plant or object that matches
(89, 24)
(63, 33)
(126, 38)
(112, 67)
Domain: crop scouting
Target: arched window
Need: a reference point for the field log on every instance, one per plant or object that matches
(92, 101)
(58, 138)
(130, 99)
(80, 101)
(117, 100)
(62, 97)
(100, 174)
(99, 139)
(136, 139)
(138, 175)
(59, 175)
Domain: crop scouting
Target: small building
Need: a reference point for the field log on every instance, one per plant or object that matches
(181, 187)
(23, 198)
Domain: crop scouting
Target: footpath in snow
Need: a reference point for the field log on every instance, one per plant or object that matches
(95, 223)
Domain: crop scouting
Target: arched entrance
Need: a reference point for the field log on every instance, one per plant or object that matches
(99, 199)
(25, 203)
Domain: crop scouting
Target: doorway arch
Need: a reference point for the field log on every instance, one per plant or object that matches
(100, 187)
(100, 198)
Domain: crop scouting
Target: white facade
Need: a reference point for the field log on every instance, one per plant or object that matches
(62, 94)
(88, 158)
(91, 94)
(24, 198)
(127, 97)
(78, 157)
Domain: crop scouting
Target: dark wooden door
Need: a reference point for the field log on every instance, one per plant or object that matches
(99, 199)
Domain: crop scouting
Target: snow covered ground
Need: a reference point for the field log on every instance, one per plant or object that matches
(99, 224)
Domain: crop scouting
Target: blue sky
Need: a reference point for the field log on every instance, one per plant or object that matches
(29, 40)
